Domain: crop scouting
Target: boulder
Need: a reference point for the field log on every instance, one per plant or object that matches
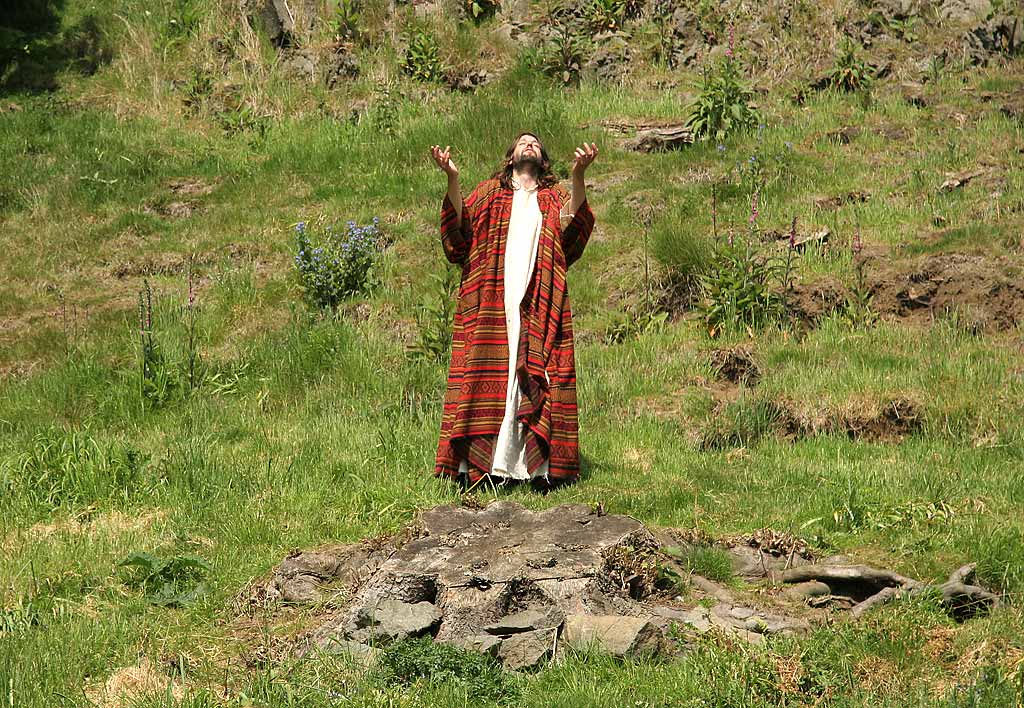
(617, 635)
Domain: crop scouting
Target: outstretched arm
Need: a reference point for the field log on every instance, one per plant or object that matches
(456, 224)
(579, 216)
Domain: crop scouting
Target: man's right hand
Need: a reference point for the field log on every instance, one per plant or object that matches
(444, 160)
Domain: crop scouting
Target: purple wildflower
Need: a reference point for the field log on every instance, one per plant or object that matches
(858, 245)
(792, 235)
(753, 208)
(732, 41)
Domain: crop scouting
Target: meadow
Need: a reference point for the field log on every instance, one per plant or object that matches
(148, 170)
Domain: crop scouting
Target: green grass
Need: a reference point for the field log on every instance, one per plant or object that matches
(312, 430)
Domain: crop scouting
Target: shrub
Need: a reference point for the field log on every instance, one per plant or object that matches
(736, 287)
(423, 659)
(336, 265)
(344, 21)
(849, 72)
(561, 54)
(174, 581)
(422, 58)
(724, 106)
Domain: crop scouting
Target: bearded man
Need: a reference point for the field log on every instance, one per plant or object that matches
(510, 404)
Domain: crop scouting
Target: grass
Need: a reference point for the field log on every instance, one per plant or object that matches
(313, 430)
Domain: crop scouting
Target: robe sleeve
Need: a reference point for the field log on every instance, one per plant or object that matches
(576, 234)
(456, 240)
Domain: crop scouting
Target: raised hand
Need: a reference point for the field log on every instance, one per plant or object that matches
(444, 160)
(584, 155)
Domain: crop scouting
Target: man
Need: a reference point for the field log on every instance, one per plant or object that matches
(510, 404)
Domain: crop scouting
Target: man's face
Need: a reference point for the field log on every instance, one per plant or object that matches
(527, 151)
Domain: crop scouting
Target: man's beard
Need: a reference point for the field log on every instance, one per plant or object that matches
(530, 164)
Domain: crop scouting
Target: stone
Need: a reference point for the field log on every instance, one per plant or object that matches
(617, 635)
(965, 10)
(527, 650)
(391, 620)
(802, 592)
(360, 653)
(660, 139)
(527, 621)
(480, 643)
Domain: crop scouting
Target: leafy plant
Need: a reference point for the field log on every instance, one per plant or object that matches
(606, 14)
(480, 10)
(412, 660)
(641, 319)
(849, 72)
(174, 581)
(336, 265)
(707, 561)
(724, 106)
(422, 59)
(434, 318)
(736, 287)
(561, 54)
(857, 308)
(344, 20)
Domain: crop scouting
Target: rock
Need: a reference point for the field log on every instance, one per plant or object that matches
(965, 10)
(283, 19)
(392, 620)
(526, 621)
(802, 592)
(610, 60)
(617, 635)
(527, 650)
(343, 66)
(469, 81)
(480, 643)
(301, 64)
(360, 653)
(660, 139)
(298, 578)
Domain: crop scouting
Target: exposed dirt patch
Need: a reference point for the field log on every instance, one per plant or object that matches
(738, 421)
(839, 200)
(986, 293)
(735, 365)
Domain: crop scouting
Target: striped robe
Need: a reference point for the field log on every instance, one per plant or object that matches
(474, 403)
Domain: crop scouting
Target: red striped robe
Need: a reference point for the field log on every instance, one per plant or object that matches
(474, 403)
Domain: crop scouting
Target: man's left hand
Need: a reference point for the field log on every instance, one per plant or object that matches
(585, 154)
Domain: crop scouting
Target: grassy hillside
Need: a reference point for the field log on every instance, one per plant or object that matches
(165, 152)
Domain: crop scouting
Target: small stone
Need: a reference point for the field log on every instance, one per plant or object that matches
(527, 650)
(615, 634)
(802, 592)
(526, 621)
(391, 620)
(741, 613)
(361, 653)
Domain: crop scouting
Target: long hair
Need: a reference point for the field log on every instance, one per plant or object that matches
(545, 179)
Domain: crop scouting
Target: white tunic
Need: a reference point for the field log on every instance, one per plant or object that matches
(520, 256)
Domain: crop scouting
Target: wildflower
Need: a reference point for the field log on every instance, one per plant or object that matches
(300, 227)
(721, 148)
(753, 159)
(732, 40)
(753, 208)
(730, 238)
(792, 235)
(858, 245)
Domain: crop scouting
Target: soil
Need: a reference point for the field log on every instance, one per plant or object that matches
(985, 293)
